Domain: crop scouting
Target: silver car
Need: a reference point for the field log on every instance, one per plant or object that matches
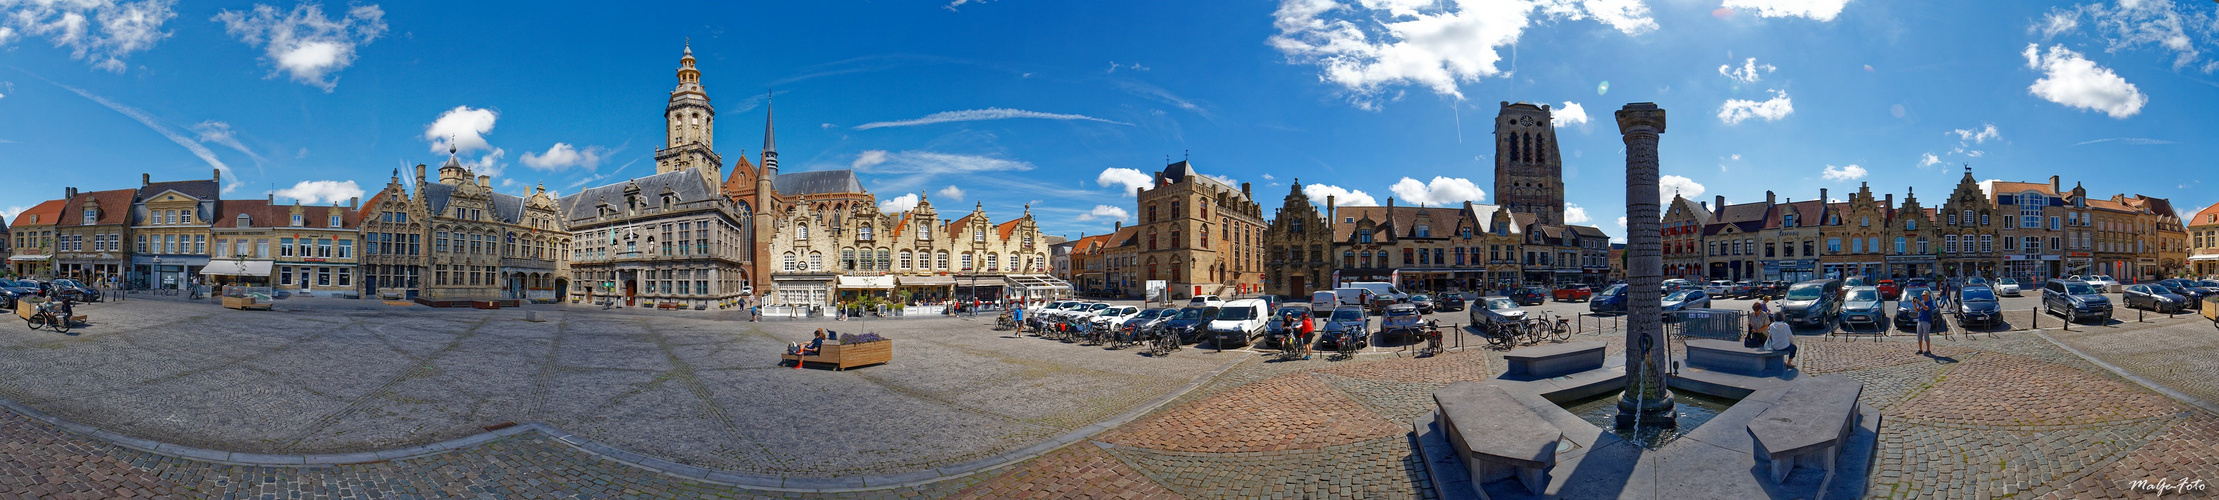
(1496, 311)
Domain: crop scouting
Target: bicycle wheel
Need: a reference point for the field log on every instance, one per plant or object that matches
(1561, 331)
(60, 324)
(36, 321)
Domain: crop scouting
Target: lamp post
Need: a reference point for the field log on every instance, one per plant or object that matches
(156, 279)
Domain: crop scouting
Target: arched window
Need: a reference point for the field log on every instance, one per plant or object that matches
(1348, 259)
(863, 233)
(993, 261)
(905, 259)
(801, 231)
(941, 260)
(816, 261)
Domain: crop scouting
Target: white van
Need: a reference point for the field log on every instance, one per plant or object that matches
(1238, 321)
(1384, 290)
(1205, 301)
(1323, 302)
(1358, 297)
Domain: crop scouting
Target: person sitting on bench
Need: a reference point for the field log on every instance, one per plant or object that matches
(812, 347)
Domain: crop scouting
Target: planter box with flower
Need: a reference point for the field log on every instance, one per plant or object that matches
(850, 351)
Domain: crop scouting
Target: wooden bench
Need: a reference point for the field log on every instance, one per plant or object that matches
(1808, 425)
(1549, 361)
(844, 356)
(1729, 356)
(1496, 436)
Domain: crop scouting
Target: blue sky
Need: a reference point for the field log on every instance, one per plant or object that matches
(1012, 102)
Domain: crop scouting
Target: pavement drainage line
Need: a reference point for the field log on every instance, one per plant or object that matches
(750, 481)
(2152, 385)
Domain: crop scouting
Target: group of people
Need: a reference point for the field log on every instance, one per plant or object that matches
(1770, 332)
(1299, 332)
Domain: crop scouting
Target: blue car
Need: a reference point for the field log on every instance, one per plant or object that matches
(1610, 300)
(1346, 320)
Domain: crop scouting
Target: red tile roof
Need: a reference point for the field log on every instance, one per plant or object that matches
(43, 214)
(115, 207)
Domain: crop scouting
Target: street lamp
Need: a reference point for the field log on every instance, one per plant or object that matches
(157, 274)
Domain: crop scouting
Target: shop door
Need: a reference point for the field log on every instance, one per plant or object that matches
(631, 287)
(1297, 285)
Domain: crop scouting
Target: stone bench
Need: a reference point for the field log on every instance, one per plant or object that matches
(1496, 436)
(1808, 425)
(1549, 361)
(1729, 356)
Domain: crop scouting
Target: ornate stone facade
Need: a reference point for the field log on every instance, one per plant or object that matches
(1854, 232)
(1913, 250)
(1202, 236)
(464, 241)
(1683, 238)
(1529, 174)
(92, 217)
(1969, 228)
(816, 246)
(1299, 259)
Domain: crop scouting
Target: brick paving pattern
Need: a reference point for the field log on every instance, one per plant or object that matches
(1827, 356)
(2004, 390)
(1288, 412)
(1081, 470)
(2187, 450)
(1385, 468)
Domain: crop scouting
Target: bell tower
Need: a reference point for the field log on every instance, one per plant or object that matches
(690, 126)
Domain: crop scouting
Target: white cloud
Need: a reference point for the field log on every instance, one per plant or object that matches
(2138, 141)
(981, 114)
(463, 127)
(1436, 44)
(901, 203)
(2075, 81)
(932, 163)
(1575, 214)
(1105, 212)
(320, 192)
(151, 122)
(1736, 110)
(2177, 27)
(955, 3)
(562, 155)
(1571, 114)
(1621, 221)
(1749, 72)
(1928, 160)
(1977, 135)
(8, 214)
(1737, 156)
(1442, 191)
(1822, 10)
(868, 158)
(99, 32)
(951, 193)
(1341, 196)
(221, 134)
(1848, 173)
(303, 43)
(490, 164)
(1687, 188)
(1269, 177)
(1127, 178)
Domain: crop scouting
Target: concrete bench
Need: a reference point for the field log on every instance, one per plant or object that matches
(1496, 436)
(1548, 361)
(1729, 356)
(1808, 425)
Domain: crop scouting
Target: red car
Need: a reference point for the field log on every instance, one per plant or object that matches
(1574, 293)
(1888, 290)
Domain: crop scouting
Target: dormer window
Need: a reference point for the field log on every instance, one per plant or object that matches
(297, 220)
(335, 221)
(91, 215)
(244, 221)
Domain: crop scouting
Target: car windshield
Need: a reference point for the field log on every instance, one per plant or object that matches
(1501, 305)
(1236, 313)
(1190, 313)
(2078, 288)
(1678, 296)
(1293, 311)
(1420, 297)
(2007, 281)
(1348, 314)
(2103, 277)
(2207, 283)
(1806, 291)
(1864, 295)
(1979, 294)
(1614, 290)
(1914, 294)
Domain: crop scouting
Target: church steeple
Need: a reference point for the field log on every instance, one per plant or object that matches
(770, 134)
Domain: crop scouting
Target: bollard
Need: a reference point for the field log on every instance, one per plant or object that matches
(2138, 315)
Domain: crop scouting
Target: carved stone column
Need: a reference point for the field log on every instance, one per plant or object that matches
(1648, 398)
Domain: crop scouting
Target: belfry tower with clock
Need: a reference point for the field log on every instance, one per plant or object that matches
(1529, 174)
(690, 124)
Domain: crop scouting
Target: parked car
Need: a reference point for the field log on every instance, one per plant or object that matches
(1856, 281)
(1148, 318)
(1692, 298)
(2007, 287)
(1275, 332)
(1718, 288)
(1771, 289)
(2075, 300)
(1239, 322)
(1977, 305)
(1529, 296)
(1888, 290)
(1113, 316)
(2152, 298)
(1863, 306)
(1497, 311)
(1919, 282)
(1676, 284)
(2102, 282)
(1423, 302)
(1741, 289)
(1812, 303)
(75, 290)
(1383, 291)
(1611, 300)
(1906, 308)
(2186, 288)
(1401, 321)
(1188, 324)
(1568, 293)
(1205, 301)
(1449, 302)
(11, 291)
(1348, 320)
(1323, 302)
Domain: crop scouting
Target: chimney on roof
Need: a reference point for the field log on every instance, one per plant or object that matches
(1244, 189)
(1822, 196)
(1721, 202)
(145, 179)
(218, 177)
(1769, 198)
(1116, 225)
(2053, 183)
(273, 198)
(1329, 209)
(419, 174)
(1706, 205)
(485, 181)
(1891, 201)
(1390, 204)
(352, 200)
(69, 194)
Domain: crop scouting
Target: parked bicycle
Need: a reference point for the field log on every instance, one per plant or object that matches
(1432, 334)
(1163, 342)
(53, 314)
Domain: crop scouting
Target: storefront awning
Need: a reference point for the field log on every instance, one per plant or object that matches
(237, 268)
(1036, 282)
(867, 282)
(22, 258)
(2204, 257)
(934, 281)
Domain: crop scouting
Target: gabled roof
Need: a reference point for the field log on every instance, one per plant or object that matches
(684, 185)
(1694, 208)
(436, 195)
(1007, 228)
(1746, 217)
(2108, 204)
(2160, 206)
(204, 189)
(2209, 215)
(2004, 188)
(46, 214)
(1812, 213)
(1128, 236)
(1589, 231)
(115, 207)
(816, 182)
(955, 227)
(1404, 220)
(740, 166)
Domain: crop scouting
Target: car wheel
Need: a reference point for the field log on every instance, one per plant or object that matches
(2072, 316)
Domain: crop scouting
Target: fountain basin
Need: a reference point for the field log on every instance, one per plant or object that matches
(1690, 409)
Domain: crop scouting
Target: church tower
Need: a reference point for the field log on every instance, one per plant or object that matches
(690, 124)
(1529, 175)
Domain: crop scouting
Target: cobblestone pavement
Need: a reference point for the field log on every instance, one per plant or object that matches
(2155, 353)
(2009, 415)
